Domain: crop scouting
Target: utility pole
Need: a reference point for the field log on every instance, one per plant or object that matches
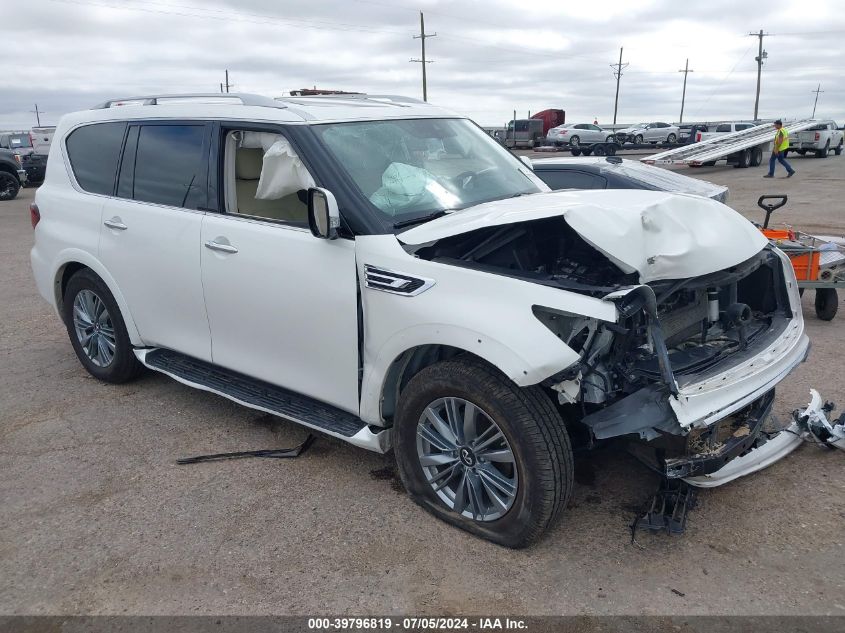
(761, 55)
(686, 71)
(422, 61)
(617, 72)
(227, 85)
(38, 112)
(815, 103)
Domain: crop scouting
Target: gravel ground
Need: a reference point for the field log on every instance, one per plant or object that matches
(98, 519)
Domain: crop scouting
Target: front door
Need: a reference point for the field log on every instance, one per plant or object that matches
(282, 304)
(150, 236)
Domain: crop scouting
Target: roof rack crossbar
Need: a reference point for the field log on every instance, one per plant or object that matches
(244, 98)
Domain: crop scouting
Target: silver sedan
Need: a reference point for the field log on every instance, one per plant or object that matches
(578, 134)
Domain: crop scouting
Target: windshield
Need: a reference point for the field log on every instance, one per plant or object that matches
(419, 168)
(19, 140)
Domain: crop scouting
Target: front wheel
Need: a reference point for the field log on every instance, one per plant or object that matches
(9, 186)
(638, 139)
(671, 138)
(97, 330)
(481, 453)
(838, 149)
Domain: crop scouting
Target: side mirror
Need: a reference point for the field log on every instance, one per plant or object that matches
(323, 215)
(527, 162)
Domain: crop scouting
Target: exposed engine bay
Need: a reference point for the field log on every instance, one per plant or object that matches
(670, 333)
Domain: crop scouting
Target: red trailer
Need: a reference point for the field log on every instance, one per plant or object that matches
(550, 118)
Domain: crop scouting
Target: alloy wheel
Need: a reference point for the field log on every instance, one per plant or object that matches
(94, 328)
(467, 459)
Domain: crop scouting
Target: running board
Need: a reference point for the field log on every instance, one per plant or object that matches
(263, 396)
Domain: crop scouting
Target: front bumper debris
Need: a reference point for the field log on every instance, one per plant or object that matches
(813, 421)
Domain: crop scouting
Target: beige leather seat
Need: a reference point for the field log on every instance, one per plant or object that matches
(248, 164)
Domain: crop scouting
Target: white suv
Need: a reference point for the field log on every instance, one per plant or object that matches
(382, 271)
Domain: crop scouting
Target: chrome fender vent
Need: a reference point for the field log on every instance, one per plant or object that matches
(395, 282)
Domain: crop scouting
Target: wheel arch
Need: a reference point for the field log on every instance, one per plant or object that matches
(72, 263)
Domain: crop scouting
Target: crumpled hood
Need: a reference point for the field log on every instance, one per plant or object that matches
(657, 234)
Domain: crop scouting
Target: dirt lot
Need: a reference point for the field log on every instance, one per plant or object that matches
(97, 517)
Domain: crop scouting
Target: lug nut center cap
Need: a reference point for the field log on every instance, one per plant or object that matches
(467, 457)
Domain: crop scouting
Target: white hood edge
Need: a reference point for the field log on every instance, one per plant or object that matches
(657, 234)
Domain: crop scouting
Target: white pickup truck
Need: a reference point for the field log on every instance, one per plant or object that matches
(819, 139)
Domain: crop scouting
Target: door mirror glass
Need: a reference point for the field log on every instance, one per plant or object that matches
(323, 214)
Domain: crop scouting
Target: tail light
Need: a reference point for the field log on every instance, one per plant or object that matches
(818, 136)
(697, 137)
(34, 214)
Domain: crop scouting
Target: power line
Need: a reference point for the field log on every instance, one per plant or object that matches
(617, 72)
(761, 55)
(686, 70)
(422, 61)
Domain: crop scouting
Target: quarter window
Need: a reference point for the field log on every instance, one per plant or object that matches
(93, 151)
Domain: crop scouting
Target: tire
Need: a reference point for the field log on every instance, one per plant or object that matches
(827, 303)
(575, 151)
(838, 149)
(598, 150)
(610, 139)
(532, 433)
(86, 291)
(9, 186)
(671, 138)
(586, 152)
(743, 159)
(822, 153)
(756, 157)
(638, 139)
(801, 152)
(575, 141)
(611, 149)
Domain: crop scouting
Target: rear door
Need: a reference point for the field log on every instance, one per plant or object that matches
(150, 238)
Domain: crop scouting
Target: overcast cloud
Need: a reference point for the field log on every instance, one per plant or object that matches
(490, 57)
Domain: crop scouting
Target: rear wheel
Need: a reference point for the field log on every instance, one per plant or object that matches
(822, 153)
(743, 159)
(97, 330)
(575, 151)
(801, 152)
(481, 453)
(827, 303)
(575, 141)
(586, 152)
(9, 186)
(599, 150)
(838, 149)
(756, 157)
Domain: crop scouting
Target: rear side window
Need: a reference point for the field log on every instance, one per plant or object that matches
(165, 164)
(571, 179)
(93, 151)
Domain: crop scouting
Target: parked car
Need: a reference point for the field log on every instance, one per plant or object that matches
(524, 133)
(819, 139)
(578, 134)
(20, 143)
(42, 138)
(657, 132)
(614, 172)
(382, 271)
(12, 175)
(686, 129)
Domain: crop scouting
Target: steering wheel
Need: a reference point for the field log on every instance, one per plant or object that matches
(465, 179)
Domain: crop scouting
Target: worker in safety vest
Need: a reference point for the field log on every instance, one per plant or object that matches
(780, 146)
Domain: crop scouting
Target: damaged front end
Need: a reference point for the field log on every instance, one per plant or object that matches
(688, 367)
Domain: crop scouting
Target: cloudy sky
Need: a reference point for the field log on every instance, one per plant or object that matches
(490, 56)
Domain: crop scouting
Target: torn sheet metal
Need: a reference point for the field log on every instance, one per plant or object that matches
(814, 421)
(657, 234)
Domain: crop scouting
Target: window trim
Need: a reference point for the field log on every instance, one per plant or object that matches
(69, 166)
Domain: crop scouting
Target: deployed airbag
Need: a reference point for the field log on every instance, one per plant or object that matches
(282, 172)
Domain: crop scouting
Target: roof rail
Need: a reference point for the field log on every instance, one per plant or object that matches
(208, 97)
(354, 96)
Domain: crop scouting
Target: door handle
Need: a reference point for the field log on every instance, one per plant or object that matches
(115, 223)
(223, 248)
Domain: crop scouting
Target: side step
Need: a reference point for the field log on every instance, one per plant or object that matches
(264, 396)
